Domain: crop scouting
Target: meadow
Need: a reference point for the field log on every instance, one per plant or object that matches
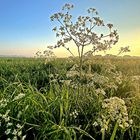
(48, 100)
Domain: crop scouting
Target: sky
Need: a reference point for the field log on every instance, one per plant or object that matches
(25, 25)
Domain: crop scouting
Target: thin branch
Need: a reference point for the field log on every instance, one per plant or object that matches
(69, 51)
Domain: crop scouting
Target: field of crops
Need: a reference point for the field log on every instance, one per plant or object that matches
(47, 100)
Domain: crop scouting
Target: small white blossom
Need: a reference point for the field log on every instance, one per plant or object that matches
(9, 124)
(130, 121)
(95, 124)
(72, 73)
(14, 132)
(74, 114)
(7, 119)
(18, 126)
(100, 91)
(8, 131)
(19, 96)
(19, 133)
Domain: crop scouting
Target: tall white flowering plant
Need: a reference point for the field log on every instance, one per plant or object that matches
(82, 32)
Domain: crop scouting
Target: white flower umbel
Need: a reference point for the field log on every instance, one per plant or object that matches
(114, 110)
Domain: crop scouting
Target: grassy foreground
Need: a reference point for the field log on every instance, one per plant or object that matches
(48, 101)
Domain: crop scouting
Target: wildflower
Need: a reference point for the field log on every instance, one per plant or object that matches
(19, 96)
(100, 91)
(15, 138)
(135, 78)
(18, 126)
(72, 73)
(7, 119)
(14, 132)
(100, 79)
(19, 133)
(131, 122)
(5, 115)
(74, 114)
(95, 124)
(116, 110)
(3, 102)
(8, 131)
(66, 82)
(9, 124)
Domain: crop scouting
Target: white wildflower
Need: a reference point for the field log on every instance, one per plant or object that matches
(5, 115)
(72, 73)
(8, 131)
(18, 125)
(135, 78)
(130, 121)
(3, 102)
(7, 119)
(14, 132)
(95, 124)
(9, 124)
(19, 96)
(74, 114)
(15, 138)
(100, 91)
(116, 110)
(19, 133)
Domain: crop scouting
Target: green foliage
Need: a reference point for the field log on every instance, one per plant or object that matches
(40, 101)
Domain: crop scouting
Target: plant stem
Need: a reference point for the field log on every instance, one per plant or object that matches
(103, 134)
(81, 61)
(114, 131)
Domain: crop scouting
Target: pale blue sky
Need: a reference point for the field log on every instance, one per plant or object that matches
(25, 25)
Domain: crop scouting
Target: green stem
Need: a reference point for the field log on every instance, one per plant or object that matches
(103, 134)
(114, 131)
(81, 61)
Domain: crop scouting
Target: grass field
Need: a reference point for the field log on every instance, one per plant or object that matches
(49, 101)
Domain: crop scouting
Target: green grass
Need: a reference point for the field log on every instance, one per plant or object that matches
(37, 103)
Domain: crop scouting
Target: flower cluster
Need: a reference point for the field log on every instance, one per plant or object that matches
(82, 32)
(11, 132)
(3, 102)
(114, 110)
(100, 79)
(100, 91)
(74, 114)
